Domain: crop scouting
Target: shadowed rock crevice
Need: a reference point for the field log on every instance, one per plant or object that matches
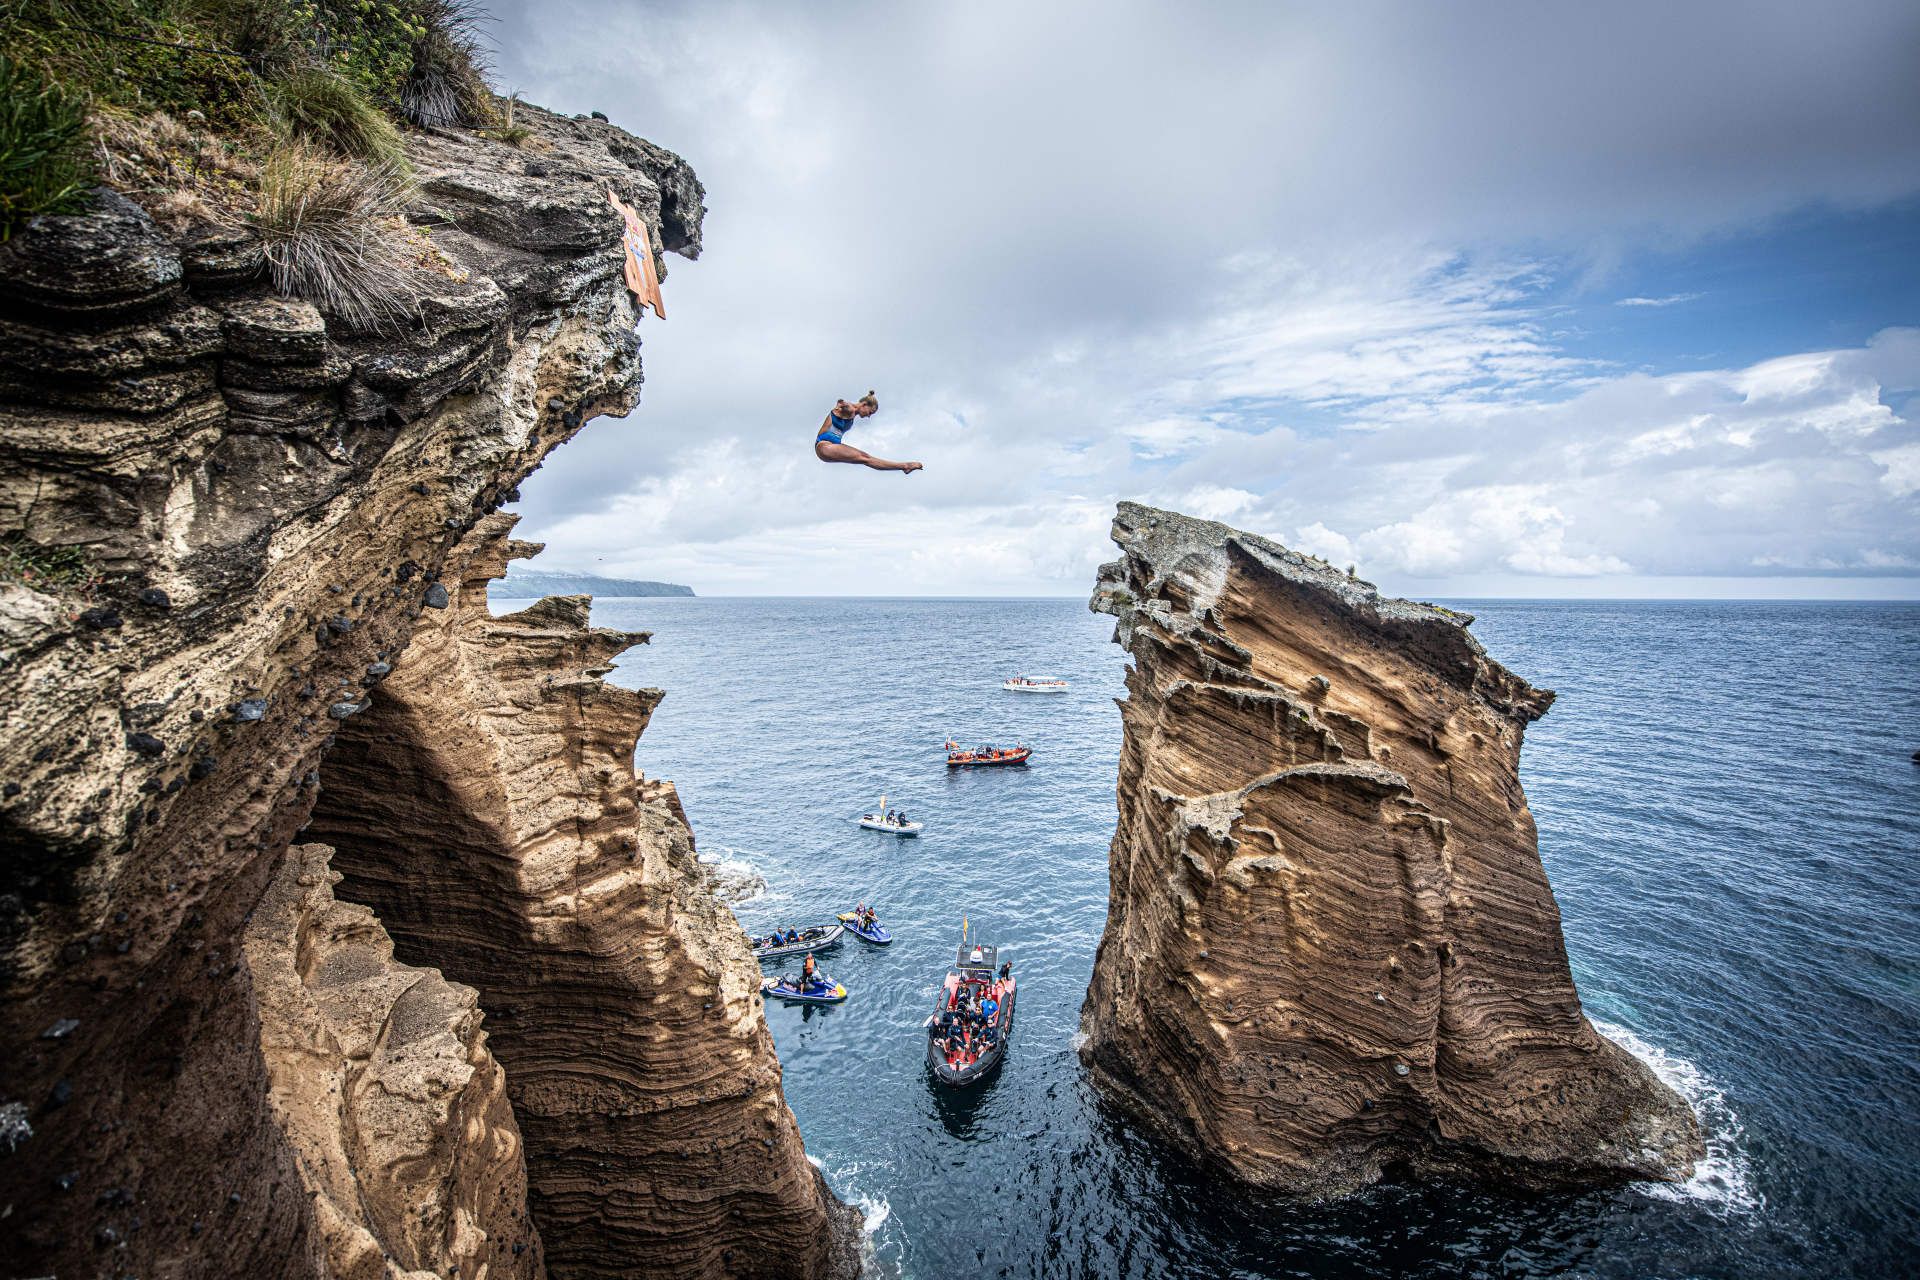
(485, 805)
(1331, 947)
(379, 1075)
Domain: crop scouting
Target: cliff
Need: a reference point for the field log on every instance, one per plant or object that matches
(485, 805)
(214, 1066)
(525, 584)
(1331, 948)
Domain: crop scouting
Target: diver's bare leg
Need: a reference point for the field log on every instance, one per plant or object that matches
(827, 451)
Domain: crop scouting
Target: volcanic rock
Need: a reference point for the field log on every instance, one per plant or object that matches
(403, 1139)
(274, 1093)
(1331, 948)
(486, 806)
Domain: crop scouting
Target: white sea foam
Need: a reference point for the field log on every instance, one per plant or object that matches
(734, 879)
(879, 1256)
(1724, 1179)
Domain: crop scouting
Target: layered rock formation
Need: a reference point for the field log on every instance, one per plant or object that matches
(211, 1071)
(379, 1077)
(486, 805)
(1331, 948)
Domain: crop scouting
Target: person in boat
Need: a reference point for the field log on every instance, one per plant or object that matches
(828, 445)
(807, 971)
(988, 1008)
(867, 918)
(793, 935)
(1006, 970)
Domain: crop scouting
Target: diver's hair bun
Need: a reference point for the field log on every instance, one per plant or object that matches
(868, 399)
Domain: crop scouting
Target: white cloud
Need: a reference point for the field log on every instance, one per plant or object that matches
(1671, 299)
(1245, 259)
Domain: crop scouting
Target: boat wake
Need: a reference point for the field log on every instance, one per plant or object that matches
(1723, 1180)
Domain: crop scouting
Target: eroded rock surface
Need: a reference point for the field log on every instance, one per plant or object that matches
(1331, 947)
(268, 499)
(485, 804)
(379, 1076)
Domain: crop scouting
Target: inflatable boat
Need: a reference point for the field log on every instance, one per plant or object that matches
(965, 1042)
(982, 757)
(1035, 684)
(822, 990)
(877, 935)
(881, 822)
(816, 937)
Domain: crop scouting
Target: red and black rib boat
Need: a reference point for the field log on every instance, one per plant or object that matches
(959, 757)
(972, 1017)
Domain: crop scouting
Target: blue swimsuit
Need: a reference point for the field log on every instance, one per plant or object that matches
(832, 434)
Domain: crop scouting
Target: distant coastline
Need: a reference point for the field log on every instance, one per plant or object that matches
(525, 584)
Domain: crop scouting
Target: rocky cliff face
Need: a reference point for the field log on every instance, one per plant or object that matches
(485, 804)
(1331, 948)
(213, 1067)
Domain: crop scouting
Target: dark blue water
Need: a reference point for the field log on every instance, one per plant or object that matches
(1727, 810)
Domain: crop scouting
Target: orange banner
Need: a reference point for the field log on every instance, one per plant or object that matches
(642, 279)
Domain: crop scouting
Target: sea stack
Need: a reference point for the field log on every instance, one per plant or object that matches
(1331, 948)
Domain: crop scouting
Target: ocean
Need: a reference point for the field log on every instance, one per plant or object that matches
(1727, 809)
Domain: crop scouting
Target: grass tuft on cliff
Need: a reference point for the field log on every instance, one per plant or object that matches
(505, 129)
(324, 106)
(446, 82)
(236, 64)
(44, 165)
(283, 114)
(334, 234)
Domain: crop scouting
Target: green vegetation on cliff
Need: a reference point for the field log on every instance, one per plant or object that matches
(183, 104)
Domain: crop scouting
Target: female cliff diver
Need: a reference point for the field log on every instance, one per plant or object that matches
(828, 446)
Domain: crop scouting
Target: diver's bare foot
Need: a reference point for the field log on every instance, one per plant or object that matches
(910, 468)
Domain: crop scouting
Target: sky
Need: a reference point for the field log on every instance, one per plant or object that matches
(1531, 299)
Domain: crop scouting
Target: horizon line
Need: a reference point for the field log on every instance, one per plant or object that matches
(1523, 599)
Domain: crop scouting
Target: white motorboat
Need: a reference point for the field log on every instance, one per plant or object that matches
(1034, 684)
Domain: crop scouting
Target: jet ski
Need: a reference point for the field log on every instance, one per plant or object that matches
(877, 935)
(822, 990)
